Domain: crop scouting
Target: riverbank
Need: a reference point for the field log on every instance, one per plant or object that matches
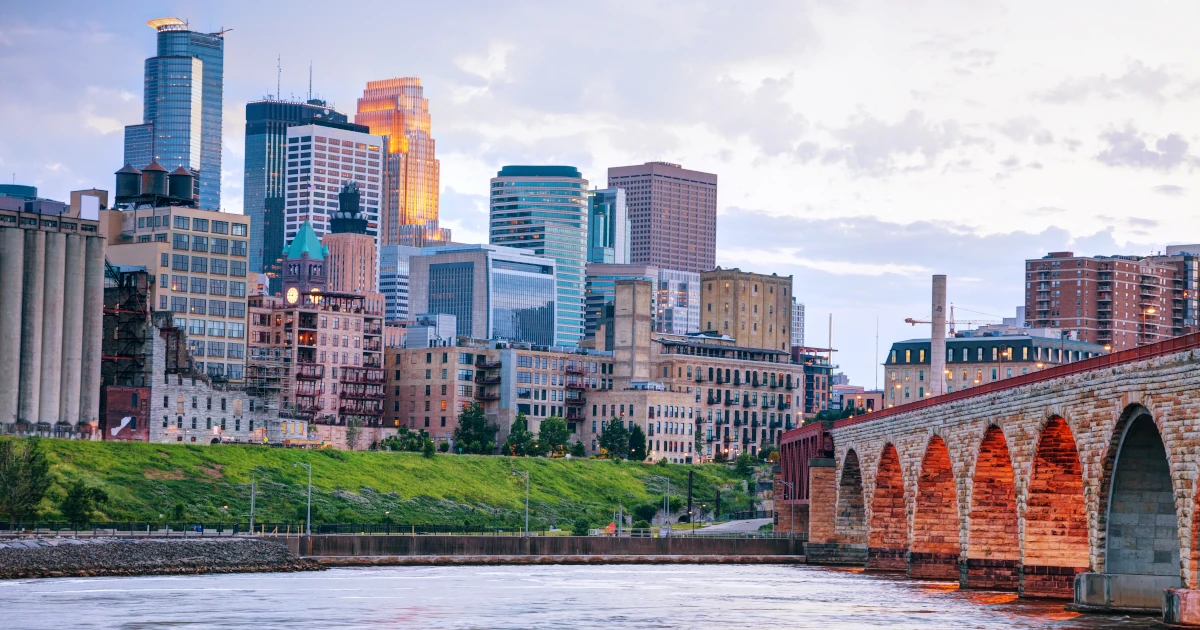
(93, 557)
(481, 560)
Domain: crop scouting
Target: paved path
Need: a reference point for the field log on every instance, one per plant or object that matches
(735, 527)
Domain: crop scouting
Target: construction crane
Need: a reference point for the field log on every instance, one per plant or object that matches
(952, 321)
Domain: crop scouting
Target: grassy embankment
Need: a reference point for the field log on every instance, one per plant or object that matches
(146, 480)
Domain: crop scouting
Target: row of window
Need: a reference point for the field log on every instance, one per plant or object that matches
(200, 264)
(203, 243)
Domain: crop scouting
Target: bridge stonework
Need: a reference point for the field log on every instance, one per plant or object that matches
(1014, 488)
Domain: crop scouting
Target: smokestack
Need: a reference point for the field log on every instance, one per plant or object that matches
(937, 338)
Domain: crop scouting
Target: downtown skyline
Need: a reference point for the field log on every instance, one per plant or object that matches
(982, 154)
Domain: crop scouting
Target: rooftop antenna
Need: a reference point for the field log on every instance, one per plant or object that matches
(278, 76)
(310, 80)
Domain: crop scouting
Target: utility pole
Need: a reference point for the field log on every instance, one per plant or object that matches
(308, 515)
(691, 516)
(251, 505)
(620, 517)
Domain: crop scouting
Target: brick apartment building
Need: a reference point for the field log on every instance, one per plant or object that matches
(1116, 301)
(754, 308)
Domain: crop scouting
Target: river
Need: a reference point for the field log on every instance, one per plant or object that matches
(624, 596)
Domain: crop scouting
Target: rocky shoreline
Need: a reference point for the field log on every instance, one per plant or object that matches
(93, 557)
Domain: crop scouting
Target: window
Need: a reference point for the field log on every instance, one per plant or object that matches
(239, 248)
(218, 266)
(236, 288)
(179, 262)
(181, 223)
(198, 285)
(237, 310)
(216, 348)
(220, 227)
(236, 330)
(237, 268)
(199, 243)
(179, 304)
(200, 225)
(239, 229)
(216, 329)
(216, 308)
(216, 287)
(164, 260)
(198, 306)
(465, 375)
(220, 246)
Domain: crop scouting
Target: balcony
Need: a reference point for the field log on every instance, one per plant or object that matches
(575, 368)
(746, 402)
(483, 364)
(483, 394)
(310, 371)
(577, 386)
(373, 345)
(783, 406)
(362, 407)
(577, 401)
(309, 403)
(310, 388)
(373, 328)
(575, 414)
(699, 378)
(484, 379)
(362, 375)
(361, 392)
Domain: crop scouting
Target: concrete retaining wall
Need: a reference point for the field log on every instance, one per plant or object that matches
(383, 545)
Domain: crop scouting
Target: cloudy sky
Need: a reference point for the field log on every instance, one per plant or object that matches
(861, 146)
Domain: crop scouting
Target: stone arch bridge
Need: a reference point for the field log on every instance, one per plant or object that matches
(1078, 481)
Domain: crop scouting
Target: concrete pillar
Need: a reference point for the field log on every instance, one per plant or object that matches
(1181, 608)
(937, 338)
(29, 395)
(12, 261)
(72, 329)
(51, 322)
(93, 333)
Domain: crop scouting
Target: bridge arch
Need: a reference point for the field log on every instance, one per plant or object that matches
(850, 522)
(887, 541)
(1056, 532)
(1139, 518)
(993, 540)
(935, 538)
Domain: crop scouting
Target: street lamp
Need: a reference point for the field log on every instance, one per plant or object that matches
(1145, 333)
(792, 505)
(308, 513)
(666, 497)
(526, 475)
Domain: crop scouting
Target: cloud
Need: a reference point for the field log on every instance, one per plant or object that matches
(1170, 190)
(1025, 129)
(1127, 148)
(1044, 211)
(877, 148)
(1139, 222)
(1138, 80)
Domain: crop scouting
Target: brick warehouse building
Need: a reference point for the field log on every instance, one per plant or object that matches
(1118, 301)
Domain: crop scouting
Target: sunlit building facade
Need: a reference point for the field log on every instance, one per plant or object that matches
(398, 110)
(544, 210)
(320, 160)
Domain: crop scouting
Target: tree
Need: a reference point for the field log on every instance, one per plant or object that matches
(581, 527)
(769, 453)
(474, 435)
(429, 449)
(444, 447)
(744, 465)
(353, 432)
(637, 444)
(699, 440)
(178, 512)
(615, 438)
(24, 478)
(553, 435)
(645, 512)
(520, 442)
(578, 450)
(81, 501)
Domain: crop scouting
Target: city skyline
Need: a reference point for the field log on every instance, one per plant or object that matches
(1031, 152)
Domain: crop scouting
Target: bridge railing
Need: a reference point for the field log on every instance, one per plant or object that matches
(1170, 346)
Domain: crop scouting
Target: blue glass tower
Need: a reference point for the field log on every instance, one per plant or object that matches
(267, 122)
(545, 209)
(181, 117)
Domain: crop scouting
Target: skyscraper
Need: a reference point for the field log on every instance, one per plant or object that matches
(320, 159)
(608, 227)
(673, 213)
(267, 122)
(181, 117)
(677, 307)
(544, 209)
(397, 109)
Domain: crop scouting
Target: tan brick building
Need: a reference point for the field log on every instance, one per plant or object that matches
(753, 308)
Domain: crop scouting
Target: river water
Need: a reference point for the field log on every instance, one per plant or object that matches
(614, 596)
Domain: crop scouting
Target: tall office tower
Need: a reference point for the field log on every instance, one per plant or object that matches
(753, 308)
(677, 309)
(397, 109)
(394, 265)
(608, 227)
(267, 122)
(320, 159)
(797, 323)
(494, 292)
(601, 288)
(181, 116)
(352, 261)
(673, 212)
(544, 209)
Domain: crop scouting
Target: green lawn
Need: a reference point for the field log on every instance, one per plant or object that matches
(145, 480)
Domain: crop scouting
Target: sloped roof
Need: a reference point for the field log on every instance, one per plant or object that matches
(306, 242)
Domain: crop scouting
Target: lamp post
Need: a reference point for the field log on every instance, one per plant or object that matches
(1145, 333)
(308, 513)
(792, 505)
(526, 475)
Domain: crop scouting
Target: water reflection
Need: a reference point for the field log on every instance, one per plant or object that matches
(772, 596)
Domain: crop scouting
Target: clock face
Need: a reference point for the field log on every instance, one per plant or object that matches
(293, 294)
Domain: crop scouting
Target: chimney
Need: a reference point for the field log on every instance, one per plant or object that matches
(937, 338)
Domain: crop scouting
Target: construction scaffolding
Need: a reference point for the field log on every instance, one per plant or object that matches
(126, 326)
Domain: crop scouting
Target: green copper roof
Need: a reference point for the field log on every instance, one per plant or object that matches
(306, 242)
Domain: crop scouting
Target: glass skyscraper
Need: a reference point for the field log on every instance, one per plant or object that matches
(181, 116)
(544, 209)
(601, 289)
(267, 122)
(608, 227)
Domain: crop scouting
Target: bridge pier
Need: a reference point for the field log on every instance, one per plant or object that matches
(934, 566)
(993, 574)
(1119, 592)
(887, 559)
(1049, 581)
(1181, 608)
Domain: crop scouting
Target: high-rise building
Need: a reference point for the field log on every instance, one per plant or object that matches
(608, 227)
(181, 117)
(544, 209)
(677, 308)
(394, 265)
(352, 261)
(494, 292)
(398, 110)
(601, 289)
(267, 122)
(754, 308)
(673, 215)
(1116, 301)
(320, 160)
(797, 323)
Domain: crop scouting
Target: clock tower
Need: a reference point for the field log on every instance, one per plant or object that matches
(304, 266)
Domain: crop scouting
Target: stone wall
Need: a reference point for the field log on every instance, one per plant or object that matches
(1010, 487)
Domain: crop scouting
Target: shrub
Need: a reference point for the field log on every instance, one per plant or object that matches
(444, 447)
(581, 526)
(641, 524)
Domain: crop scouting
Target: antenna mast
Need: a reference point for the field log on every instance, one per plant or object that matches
(310, 80)
(278, 76)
